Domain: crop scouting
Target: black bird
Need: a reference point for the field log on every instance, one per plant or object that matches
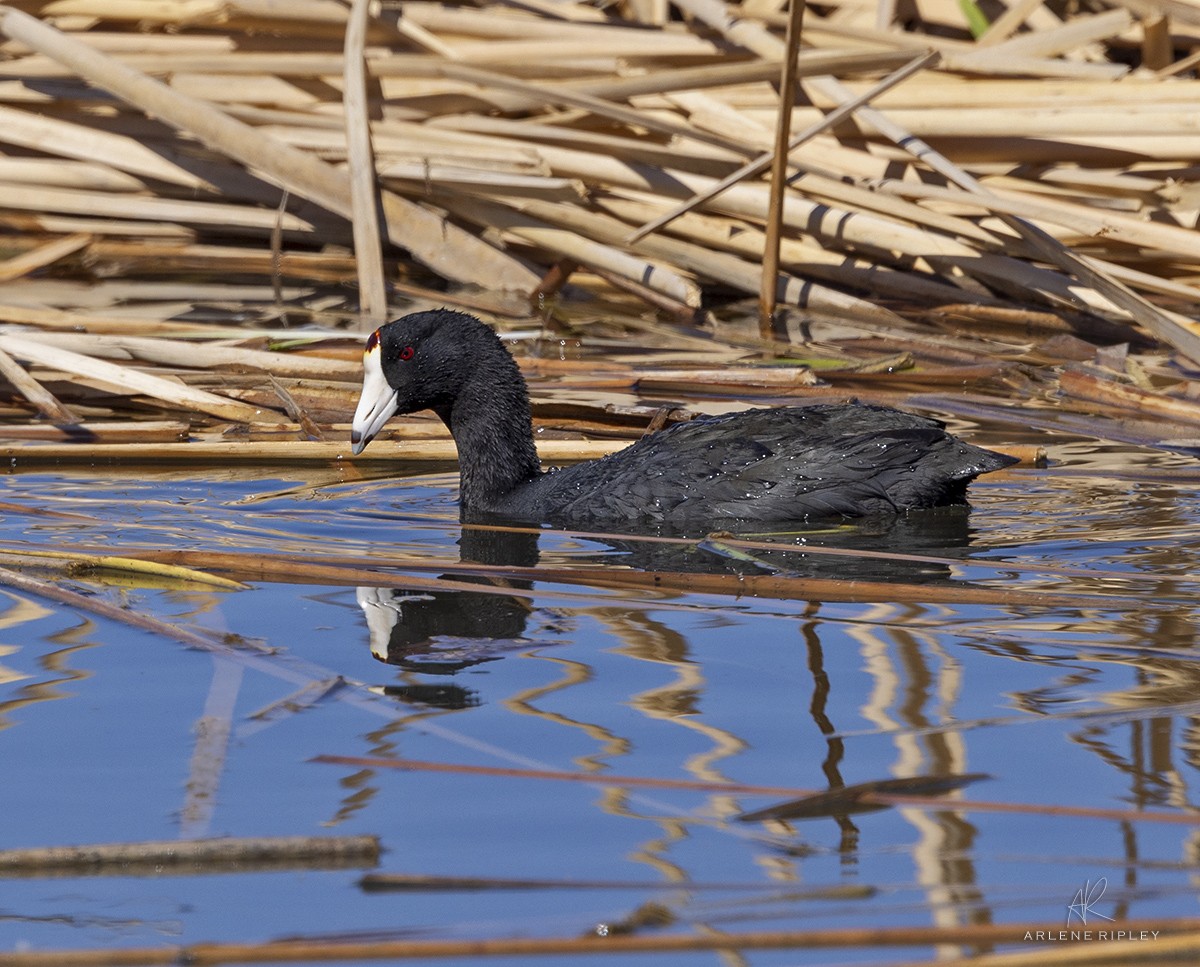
(788, 463)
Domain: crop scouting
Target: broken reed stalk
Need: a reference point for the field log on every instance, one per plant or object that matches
(769, 285)
(640, 782)
(189, 857)
(1094, 386)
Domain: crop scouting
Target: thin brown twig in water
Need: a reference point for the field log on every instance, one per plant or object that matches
(350, 576)
(234, 561)
(887, 799)
(698, 785)
(416, 882)
(344, 569)
(835, 938)
(282, 567)
(551, 284)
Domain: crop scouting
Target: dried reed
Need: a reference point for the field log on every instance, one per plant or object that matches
(489, 147)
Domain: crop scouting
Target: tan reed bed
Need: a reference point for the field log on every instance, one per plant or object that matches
(224, 174)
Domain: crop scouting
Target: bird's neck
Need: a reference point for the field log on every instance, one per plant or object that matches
(493, 431)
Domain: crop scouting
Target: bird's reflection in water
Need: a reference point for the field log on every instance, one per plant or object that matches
(444, 632)
(942, 532)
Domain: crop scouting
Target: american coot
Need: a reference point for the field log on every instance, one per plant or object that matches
(760, 465)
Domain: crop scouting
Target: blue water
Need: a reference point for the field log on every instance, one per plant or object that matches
(102, 725)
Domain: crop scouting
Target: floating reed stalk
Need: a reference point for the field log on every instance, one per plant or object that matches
(189, 857)
(1175, 939)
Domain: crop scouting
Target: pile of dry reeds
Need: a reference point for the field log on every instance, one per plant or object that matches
(163, 166)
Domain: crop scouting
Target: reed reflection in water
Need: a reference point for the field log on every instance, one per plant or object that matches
(1088, 706)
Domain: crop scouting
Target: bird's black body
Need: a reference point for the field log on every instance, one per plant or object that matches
(779, 464)
(770, 464)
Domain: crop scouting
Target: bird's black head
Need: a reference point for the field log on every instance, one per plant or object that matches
(418, 362)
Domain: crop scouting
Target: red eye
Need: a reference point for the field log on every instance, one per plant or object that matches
(406, 353)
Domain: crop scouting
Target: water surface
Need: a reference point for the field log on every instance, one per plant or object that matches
(112, 734)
